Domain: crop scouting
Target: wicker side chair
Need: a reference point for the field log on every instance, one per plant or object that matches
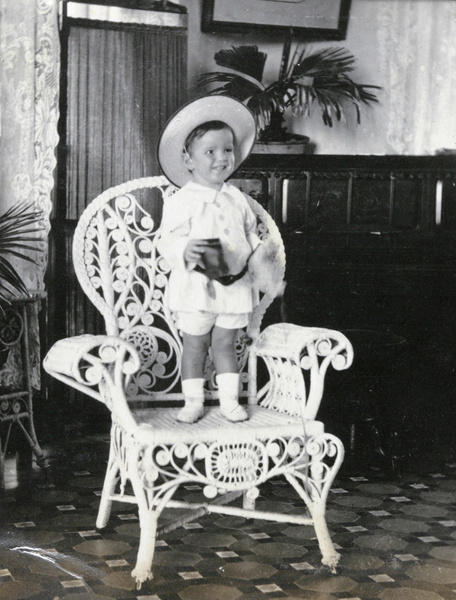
(135, 371)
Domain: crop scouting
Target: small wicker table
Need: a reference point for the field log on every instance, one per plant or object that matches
(16, 403)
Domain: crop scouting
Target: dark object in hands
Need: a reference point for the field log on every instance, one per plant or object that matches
(213, 260)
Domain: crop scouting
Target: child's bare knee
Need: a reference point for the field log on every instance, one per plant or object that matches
(223, 340)
(196, 343)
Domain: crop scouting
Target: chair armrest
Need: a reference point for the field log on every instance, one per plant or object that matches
(289, 349)
(97, 365)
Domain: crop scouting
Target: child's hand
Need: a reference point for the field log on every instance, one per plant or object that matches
(194, 251)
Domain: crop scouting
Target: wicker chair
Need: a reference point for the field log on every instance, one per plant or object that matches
(135, 370)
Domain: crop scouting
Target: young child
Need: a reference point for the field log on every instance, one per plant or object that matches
(208, 235)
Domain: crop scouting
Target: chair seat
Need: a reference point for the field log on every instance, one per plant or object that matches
(263, 424)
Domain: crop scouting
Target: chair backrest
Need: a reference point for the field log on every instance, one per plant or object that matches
(120, 269)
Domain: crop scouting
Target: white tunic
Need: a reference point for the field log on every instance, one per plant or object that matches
(199, 212)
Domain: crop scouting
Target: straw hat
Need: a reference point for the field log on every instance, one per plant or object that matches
(195, 113)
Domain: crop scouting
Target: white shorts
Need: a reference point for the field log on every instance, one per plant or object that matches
(200, 323)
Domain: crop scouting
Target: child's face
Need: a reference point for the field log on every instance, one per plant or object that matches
(210, 158)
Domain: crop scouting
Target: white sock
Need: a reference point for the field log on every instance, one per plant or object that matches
(228, 384)
(193, 410)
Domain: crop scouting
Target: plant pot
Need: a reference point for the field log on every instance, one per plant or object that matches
(276, 139)
(295, 144)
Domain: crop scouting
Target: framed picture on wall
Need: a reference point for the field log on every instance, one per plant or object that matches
(317, 19)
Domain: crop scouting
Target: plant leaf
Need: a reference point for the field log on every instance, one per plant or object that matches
(10, 277)
(320, 77)
(19, 226)
(234, 85)
(245, 59)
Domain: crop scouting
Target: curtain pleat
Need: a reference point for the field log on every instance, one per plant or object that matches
(122, 87)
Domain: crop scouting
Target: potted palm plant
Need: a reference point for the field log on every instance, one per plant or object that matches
(19, 233)
(318, 77)
(20, 226)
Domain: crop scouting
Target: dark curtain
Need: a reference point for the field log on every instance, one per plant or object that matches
(123, 84)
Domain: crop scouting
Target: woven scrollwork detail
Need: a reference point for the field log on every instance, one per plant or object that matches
(320, 448)
(233, 464)
(11, 408)
(159, 352)
(216, 466)
(158, 466)
(287, 386)
(121, 261)
(144, 340)
(139, 222)
(222, 467)
(11, 327)
(130, 282)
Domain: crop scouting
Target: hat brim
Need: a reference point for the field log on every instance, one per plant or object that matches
(208, 108)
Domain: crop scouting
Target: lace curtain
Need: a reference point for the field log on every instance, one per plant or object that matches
(29, 79)
(418, 59)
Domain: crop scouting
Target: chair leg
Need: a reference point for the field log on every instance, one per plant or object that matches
(148, 518)
(248, 503)
(316, 484)
(249, 498)
(148, 525)
(322, 480)
(109, 486)
(330, 557)
(317, 509)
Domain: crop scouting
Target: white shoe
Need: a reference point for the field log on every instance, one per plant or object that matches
(233, 411)
(191, 412)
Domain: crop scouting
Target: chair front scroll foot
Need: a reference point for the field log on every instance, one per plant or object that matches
(143, 569)
(141, 574)
(330, 557)
(332, 561)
